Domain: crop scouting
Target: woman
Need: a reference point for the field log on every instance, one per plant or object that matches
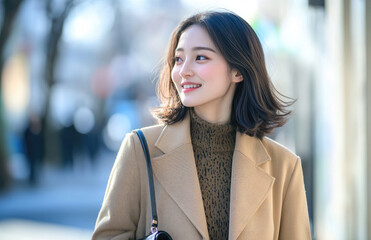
(216, 174)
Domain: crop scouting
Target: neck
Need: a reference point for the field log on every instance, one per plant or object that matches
(218, 117)
(217, 111)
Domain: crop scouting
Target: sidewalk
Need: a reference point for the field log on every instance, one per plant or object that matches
(64, 204)
(29, 230)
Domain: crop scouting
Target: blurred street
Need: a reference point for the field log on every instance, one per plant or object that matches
(77, 75)
(64, 202)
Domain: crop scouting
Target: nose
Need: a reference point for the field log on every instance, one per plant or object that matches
(186, 70)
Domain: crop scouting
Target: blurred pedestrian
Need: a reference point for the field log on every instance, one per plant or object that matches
(217, 176)
(34, 147)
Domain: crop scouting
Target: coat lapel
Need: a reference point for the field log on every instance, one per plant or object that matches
(250, 185)
(176, 171)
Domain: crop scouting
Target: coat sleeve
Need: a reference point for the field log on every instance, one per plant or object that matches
(119, 214)
(294, 218)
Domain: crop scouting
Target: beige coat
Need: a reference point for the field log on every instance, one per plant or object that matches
(267, 190)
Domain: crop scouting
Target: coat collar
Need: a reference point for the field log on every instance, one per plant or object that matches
(173, 136)
(250, 185)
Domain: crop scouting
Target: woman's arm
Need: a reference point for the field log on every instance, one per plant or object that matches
(119, 215)
(294, 218)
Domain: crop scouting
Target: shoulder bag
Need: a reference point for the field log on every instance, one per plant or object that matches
(155, 233)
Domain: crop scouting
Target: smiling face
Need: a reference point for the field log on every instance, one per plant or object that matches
(202, 76)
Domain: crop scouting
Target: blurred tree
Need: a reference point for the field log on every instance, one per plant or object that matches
(57, 12)
(10, 9)
(57, 17)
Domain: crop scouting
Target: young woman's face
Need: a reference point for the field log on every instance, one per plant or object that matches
(201, 74)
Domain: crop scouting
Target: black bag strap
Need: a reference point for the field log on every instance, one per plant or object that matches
(150, 179)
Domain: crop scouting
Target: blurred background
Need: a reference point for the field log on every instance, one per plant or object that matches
(77, 75)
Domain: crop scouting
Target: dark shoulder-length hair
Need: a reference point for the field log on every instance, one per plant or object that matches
(257, 108)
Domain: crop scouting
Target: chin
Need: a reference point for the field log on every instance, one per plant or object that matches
(190, 102)
(188, 105)
(193, 102)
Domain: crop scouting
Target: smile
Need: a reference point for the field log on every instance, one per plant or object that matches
(191, 86)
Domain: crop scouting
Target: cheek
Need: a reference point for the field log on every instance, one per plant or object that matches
(175, 75)
(206, 72)
(210, 72)
(175, 78)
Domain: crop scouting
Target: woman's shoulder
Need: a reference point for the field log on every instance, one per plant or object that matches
(151, 134)
(279, 153)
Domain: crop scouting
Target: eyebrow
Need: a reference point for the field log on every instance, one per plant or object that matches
(196, 49)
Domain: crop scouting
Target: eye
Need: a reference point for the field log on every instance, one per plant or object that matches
(177, 60)
(200, 58)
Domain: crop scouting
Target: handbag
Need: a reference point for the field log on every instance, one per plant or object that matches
(155, 233)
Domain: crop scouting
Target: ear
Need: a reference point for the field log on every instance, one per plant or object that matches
(236, 76)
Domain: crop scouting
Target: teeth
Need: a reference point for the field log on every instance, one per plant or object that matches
(191, 86)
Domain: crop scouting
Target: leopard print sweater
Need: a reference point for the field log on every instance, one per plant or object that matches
(213, 147)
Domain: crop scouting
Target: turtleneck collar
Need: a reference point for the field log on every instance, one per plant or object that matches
(217, 137)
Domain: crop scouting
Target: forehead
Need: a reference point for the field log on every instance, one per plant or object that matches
(195, 35)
